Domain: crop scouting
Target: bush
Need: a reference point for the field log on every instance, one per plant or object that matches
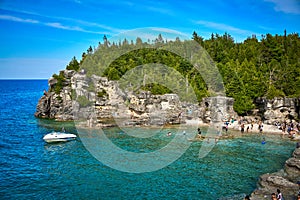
(83, 101)
(73, 65)
(59, 85)
(273, 92)
(102, 93)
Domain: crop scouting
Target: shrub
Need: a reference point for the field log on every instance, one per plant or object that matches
(102, 93)
(83, 101)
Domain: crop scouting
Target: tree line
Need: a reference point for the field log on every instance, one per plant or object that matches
(269, 67)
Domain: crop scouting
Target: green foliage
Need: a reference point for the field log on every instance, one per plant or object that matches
(73, 94)
(83, 101)
(59, 98)
(156, 89)
(135, 58)
(102, 93)
(74, 64)
(253, 68)
(242, 104)
(273, 92)
(60, 81)
(91, 87)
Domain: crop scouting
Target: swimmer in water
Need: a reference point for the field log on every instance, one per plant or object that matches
(169, 134)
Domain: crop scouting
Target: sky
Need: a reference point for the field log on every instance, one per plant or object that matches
(39, 38)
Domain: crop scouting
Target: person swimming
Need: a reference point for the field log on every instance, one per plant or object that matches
(263, 141)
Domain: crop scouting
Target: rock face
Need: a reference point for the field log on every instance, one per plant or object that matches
(101, 102)
(54, 105)
(215, 109)
(277, 109)
(285, 180)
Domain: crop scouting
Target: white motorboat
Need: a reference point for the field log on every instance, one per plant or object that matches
(59, 137)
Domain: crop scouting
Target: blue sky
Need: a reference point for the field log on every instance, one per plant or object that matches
(39, 38)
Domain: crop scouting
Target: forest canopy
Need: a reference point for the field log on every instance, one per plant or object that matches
(269, 67)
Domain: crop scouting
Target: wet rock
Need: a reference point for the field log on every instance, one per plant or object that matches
(285, 180)
(292, 168)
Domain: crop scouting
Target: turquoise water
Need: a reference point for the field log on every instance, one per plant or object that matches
(31, 169)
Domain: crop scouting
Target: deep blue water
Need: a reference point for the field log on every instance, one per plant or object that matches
(31, 169)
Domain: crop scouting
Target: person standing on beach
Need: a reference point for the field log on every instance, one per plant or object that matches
(242, 128)
(260, 127)
(273, 196)
(179, 116)
(283, 127)
(279, 195)
(199, 132)
(298, 127)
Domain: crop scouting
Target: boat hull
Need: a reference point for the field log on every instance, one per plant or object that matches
(59, 137)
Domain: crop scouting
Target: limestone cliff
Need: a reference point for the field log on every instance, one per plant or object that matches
(144, 108)
(99, 100)
(277, 110)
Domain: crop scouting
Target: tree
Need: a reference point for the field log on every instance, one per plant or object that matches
(138, 41)
(90, 50)
(105, 42)
(73, 64)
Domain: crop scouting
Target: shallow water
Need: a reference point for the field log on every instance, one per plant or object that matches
(31, 169)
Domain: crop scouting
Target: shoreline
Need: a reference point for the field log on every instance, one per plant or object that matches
(284, 179)
(235, 126)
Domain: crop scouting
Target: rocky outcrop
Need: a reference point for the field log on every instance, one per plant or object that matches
(285, 180)
(144, 108)
(217, 109)
(101, 102)
(277, 109)
(57, 105)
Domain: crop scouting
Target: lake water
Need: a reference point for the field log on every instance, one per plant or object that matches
(31, 169)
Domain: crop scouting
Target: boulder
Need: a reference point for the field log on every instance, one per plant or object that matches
(285, 180)
(269, 183)
(276, 110)
(292, 168)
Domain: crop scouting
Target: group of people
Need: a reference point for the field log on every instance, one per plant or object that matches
(277, 196)
(250, 127)
(274, 196)
(291, 128)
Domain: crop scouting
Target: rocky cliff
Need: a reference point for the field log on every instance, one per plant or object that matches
(277, 110)
(102, 103)
(79, 95)
(285, 180)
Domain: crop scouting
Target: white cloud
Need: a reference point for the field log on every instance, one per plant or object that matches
(50, 24)
(17, 19)
(72, 28)
(286, 6)
(93, 24)
(60, 26)
(224, 27)
(167, 30)
(109, 30)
